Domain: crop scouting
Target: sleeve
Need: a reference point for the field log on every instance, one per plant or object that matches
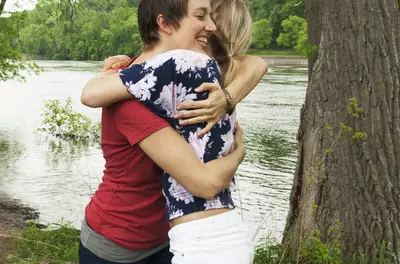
(147, 85)
(163, 87)
(136, 122)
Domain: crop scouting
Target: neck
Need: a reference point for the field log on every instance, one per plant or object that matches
(154, 52)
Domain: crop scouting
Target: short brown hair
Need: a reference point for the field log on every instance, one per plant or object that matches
(173, 10)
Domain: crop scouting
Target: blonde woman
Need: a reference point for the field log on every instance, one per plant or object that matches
(204, 228)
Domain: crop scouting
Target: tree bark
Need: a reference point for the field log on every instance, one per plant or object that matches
(2, 4)
(358, 184)
(314, 28)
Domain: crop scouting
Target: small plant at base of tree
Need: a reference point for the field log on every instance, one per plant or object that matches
(318, 252)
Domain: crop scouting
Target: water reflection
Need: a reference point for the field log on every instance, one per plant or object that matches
(72, 66)
(286, 76)
(271, 150)
(285, 70)
(10, 151)
(64, 152)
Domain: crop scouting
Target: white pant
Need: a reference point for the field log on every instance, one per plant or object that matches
(219, 239)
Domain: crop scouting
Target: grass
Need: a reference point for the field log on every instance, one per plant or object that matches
(270, 253)
(273, 52)
(57, 244)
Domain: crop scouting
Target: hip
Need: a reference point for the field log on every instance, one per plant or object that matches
(222, 238)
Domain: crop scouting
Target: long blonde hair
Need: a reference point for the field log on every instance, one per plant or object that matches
(233, 36)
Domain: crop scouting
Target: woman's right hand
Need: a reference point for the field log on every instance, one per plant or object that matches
(115, 62)
(239, 145)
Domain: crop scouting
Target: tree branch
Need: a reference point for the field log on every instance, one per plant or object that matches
(2, 4)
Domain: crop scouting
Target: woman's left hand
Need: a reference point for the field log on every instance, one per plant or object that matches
(210, 110)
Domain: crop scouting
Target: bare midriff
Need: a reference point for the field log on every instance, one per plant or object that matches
(197, 216)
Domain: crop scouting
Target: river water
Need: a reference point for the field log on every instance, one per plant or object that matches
(57, 177)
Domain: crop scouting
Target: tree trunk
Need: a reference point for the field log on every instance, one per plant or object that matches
(314, 28)
(2, 4)
(354, 182)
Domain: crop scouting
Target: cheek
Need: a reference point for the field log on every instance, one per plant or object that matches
(197, 26)
(209, 51)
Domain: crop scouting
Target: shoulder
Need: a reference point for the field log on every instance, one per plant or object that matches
(188, 54)
(200, 60)
(182, 60)
(132, 109)
(135, 121)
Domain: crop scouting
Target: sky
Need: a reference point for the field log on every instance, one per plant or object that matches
(18, 5)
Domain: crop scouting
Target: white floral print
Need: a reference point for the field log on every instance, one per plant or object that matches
(164, 82)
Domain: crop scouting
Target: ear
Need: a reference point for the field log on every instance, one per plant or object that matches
(164, 27)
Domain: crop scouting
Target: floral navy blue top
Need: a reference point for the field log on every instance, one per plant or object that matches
(164, 82)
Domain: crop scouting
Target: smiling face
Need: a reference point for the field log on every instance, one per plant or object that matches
(195, 28)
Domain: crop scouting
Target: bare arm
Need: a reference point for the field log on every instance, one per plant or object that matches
(104, 89)
(174, 155)
(253, 69)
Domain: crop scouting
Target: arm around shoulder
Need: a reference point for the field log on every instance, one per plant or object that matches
(104, 89)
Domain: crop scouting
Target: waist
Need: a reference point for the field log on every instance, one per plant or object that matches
(197, 216)
(221, 222)
(132, 227)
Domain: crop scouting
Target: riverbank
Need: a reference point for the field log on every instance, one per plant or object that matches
(13, 214)
(273, 52)
(286, 60)
(13, 218)
(272, 58)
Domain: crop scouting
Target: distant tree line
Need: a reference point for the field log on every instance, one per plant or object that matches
(95, 29)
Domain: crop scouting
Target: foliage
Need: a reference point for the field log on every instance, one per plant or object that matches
(96, 29)
(261, 9)
(281, 11)
(302, 45)
(93, 30)
(271, 253)
(294, 31)
(58, 243)
(62, 121)
(318, 252)
(262, 34)
(383, 256)
(12, 66)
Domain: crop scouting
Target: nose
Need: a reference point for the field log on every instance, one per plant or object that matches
(211, 27)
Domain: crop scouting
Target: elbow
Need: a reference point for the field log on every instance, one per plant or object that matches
(212, 188)
(264, 67)
(207, 194)
(87, 98)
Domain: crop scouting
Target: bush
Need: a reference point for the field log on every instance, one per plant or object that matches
(61, 121)
(262, 34)
(294, 32)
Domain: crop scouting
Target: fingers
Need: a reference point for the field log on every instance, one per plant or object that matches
(108, 63)
(193, 121)
(115, 62)
(207, 87)
(238, 131)
(206, 113)
(119, 64)
(205, 130)
(194, 105)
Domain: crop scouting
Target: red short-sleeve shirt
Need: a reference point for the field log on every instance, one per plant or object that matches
(129, 208)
